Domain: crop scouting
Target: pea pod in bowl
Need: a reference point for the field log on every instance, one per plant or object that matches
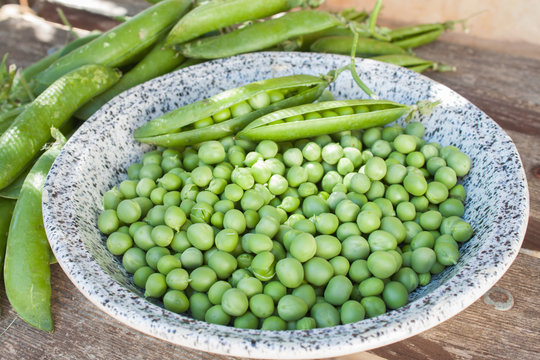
(324, 118)
(228, 112)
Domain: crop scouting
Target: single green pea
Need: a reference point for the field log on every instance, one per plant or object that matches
(133, 171)
(434, 163)
(423, 259)
(325, 315)
(395, 295)
(338, 290)
(162, 235)
(118, 243)
(345, 230)
(141, 275)
(381, 264)
(405, 143)
(376, 190)
(303, 247)
(359, 271)
(452, 207)
(371, 286)
(108, 221)
(261, 305)
(134, 258)
(155, 286)
(167, 263)
(458, 192)
(128, 211)
(327, 246)
(291, 307)
(430, 220)
(415, 184)
(290, 272)
(235, 219)
(199, 305)
(273, 323)
(368, 221)
(340, 264)
(318, 271)
(246, 321)
(406, 211)
(314, 205)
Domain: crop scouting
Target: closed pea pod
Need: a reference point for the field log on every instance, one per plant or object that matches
(31, 129)
(366, 47)
(122, 43)
(219, 14)
(26, 268)
(172, 128)
(262, 128)
(259, 36)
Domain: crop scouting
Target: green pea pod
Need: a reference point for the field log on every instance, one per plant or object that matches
(272, 127)
(419, 40)
(218, 14)
(158, 61)
(412, 31)
(167, 130)
(414, 63)
(31, 129)
(6, 210)
(341, 30)
(260, 35)
(26, 270)
(366, 47)
(29, 72)
(120, 44)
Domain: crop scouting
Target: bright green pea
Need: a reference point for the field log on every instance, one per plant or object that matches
(314, 205)
(235, 219)
(375, 168)
(345, 166)
(326, 223)
(152, 171)
(381, 264)
(108, 221)
(203, 123)
(451, 207)
(458, 192)
(222, 263)
(331, 153)
(338, 290)
(327, 246)
(434, 163)
(133, 259)
(347, 229)
(459, 162)
(133, 171)
(340, 264)
(141, 275)
(359, 271)
(118, 243)
(201, 235)
(291, 307)
(246, 321)
(415, 184)
(290, 272)
(155, 285)
(371, 286)
(461, 231)
(376, 190)
(423, 259)
(243, 178)
(395, 295)
(199, 305)
(273, 323)
(261, 305)
(368, 221)
(306, 323)
(447, 254)
(202, 278)
(405, 143)
(303, 247)
(217, 315)
(318, 271)
(406, 211)
(325, 315)
(430, 220)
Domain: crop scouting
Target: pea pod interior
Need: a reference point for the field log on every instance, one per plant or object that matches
(370, 113)
(177, 120)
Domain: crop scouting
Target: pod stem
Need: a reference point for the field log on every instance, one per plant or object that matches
(423, 107)
(449, 25)
(373, 22)
(352, 67)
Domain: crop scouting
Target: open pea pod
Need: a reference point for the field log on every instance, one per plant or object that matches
(228, 112)
(287, 124)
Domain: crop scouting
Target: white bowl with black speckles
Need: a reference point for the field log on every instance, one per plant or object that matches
(97, 156)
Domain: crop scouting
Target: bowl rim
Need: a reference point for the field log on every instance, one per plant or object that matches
(239, 344)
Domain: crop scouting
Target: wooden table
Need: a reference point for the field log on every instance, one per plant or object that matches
(504, 83)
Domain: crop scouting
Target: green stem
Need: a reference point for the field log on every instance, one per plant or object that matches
(373, 22)
(352, 68)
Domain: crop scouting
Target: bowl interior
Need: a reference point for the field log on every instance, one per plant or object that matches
(96, 158)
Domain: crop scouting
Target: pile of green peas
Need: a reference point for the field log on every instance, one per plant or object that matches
(275, 236)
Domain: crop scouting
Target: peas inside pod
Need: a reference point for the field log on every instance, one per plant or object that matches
(316, 232)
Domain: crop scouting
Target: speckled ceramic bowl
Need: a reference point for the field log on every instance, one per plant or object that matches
(97, 156)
